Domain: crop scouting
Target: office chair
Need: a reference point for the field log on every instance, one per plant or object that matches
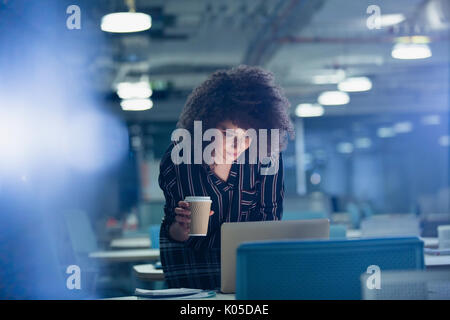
(303, 215)
(409, 285)
(113, 265)
(319, 269)
(391, 225)
(338, 231)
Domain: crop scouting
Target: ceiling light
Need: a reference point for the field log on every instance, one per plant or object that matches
(431, 120)
(305, 110)
(363, 143)
(124, 22)
(330, 78)
(333, 98)
(345, 147)
(403, 127)
(444, 141)
(134, 90)
(411, 51)
(136, 104)
(391, 19)
(385, 132)
(413, 39)
(355, 84)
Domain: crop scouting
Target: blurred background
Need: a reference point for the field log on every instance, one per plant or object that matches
(89, 100)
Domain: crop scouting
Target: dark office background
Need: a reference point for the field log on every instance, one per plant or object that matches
(386, 151)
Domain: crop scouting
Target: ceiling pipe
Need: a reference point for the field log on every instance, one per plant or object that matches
(287, 16)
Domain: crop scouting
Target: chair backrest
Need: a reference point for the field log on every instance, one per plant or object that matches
(354, 213)
(366, 210)
(80, 231)
(154, 230)
(303, 215)
(409, 285)
(388, 225)
(338, 231)
(319, 269)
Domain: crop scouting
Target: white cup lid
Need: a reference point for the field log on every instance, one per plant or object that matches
(193, 198)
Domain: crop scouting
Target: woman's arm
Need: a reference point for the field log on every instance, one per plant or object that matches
(175, 228)
(177, 214)
(272, 194)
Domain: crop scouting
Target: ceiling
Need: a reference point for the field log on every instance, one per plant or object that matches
(294, 39)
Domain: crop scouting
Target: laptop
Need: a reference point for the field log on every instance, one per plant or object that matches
(233, 234)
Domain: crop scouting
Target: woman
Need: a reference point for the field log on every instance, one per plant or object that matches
(238, 99)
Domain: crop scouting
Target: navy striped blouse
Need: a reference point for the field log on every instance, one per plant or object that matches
(245, 196)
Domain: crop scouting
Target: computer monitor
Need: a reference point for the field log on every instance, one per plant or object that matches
(233, 234)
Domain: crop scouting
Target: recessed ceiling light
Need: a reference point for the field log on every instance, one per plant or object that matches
(134, 90)
(355, 84)
(444, 141)
(431, 120)
(136, 104)
(305, 110)
(124, 22)
(363, 143)
(403, 127)
(345, 147)
(413, 39)
(329, 78)
(391, 19)
(333, 98)
(409, 51)
(385, 132)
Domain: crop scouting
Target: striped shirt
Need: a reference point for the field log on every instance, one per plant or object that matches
(247, 195)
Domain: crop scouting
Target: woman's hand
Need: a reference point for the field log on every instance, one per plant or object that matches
(179, 230)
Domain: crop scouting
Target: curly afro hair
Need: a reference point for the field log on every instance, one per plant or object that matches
(246, 96)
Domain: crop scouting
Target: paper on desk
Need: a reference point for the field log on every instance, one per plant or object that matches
(437, 252)
(166, 292)
(200, 295)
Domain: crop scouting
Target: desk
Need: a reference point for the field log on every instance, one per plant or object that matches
(437, 262)
(126, 255)
(131, 243)
(148, 272)
(428, 242)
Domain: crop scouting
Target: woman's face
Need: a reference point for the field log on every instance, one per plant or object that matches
(235, 141)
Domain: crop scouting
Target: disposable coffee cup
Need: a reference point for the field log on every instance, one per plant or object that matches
(200, 209)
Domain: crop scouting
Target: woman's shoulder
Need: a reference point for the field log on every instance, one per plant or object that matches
(166, 159)
(168, 152)
(173, 157)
